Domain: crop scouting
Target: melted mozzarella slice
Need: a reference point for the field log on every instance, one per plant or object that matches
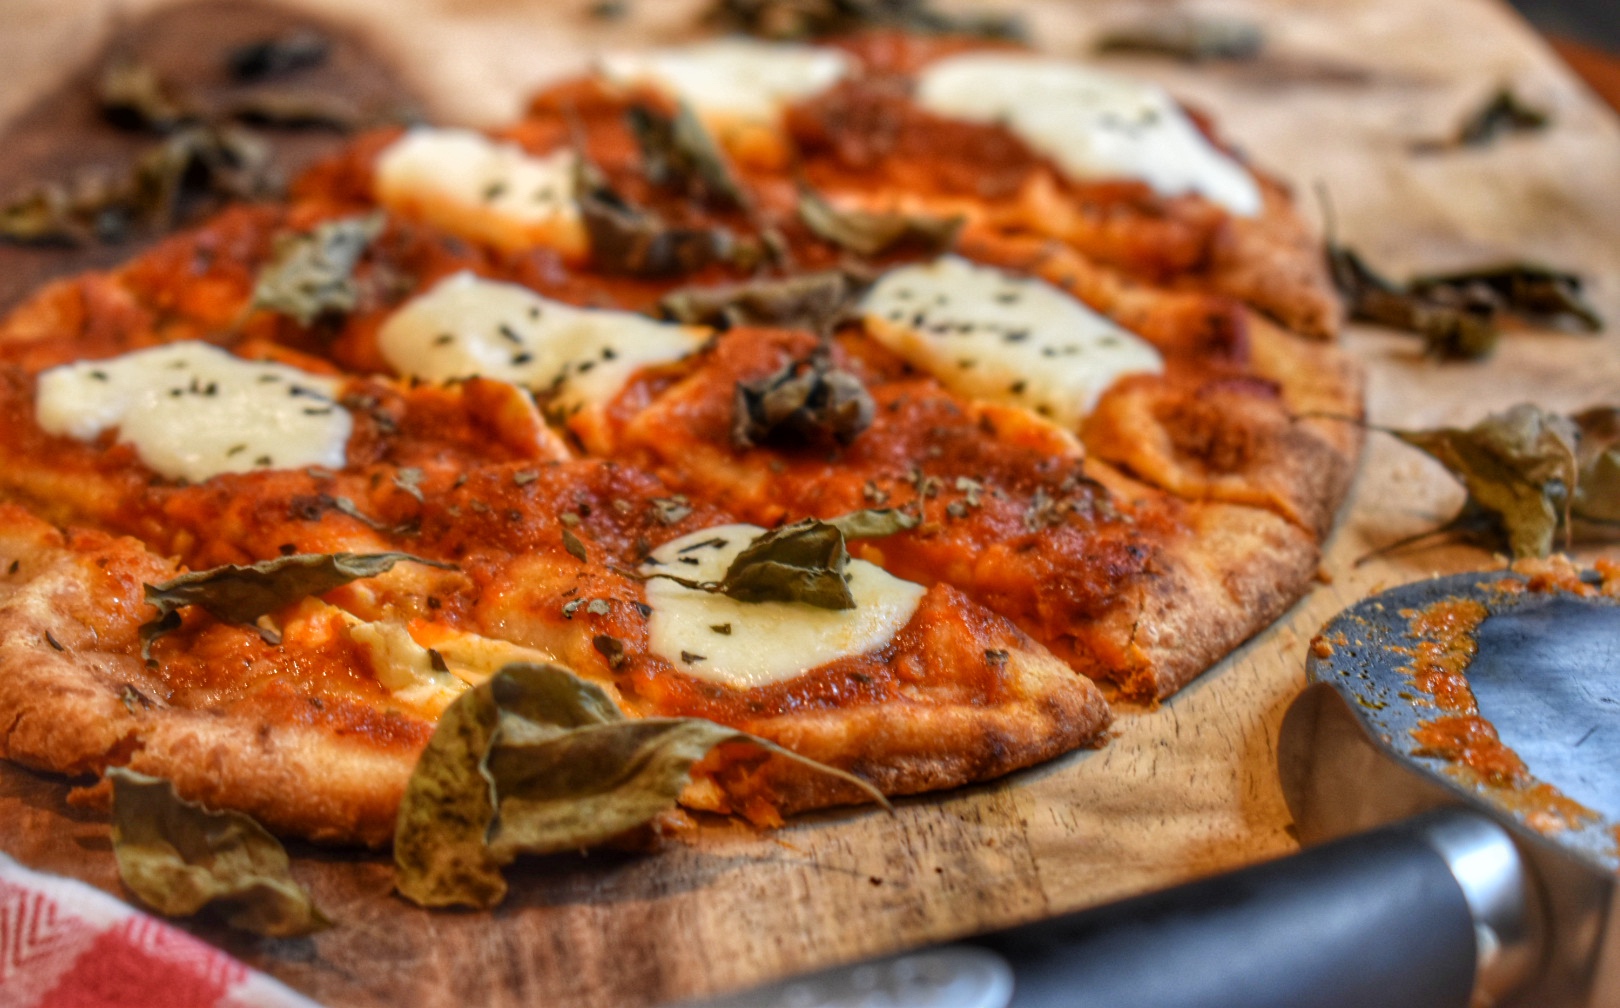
(747, 644)
(482, 189)
(1002, 338)
(733, 78)
(191, 411)
(583, 357)
(1092, 124)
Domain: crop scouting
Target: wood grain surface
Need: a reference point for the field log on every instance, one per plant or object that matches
(1181, 790)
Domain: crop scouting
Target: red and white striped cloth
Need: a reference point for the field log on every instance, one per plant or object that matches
(64, 944)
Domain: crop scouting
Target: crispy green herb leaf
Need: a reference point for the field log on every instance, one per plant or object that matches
(294, 110)
(806, 404)
(678, 153)
(801, 562)
(1192, 38)
(866, 233)
(238, 594)
(132, 96)
(179, 857)
(790, 20)
(312, 274)
(874, 523)
(1531, 292)
(1519, 468)
(298, 49)
(539, 761)
(814, 301)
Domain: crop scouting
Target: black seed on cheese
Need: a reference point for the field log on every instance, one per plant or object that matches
(520, 359)
(493, 191)
(443, 339)
(99, 375)
(510, 334)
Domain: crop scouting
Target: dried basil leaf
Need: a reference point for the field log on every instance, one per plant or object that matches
(241, 594)
(1597, 459)
(539, 761)
(806, 404)
(801, 562)
(1528, 291)
(1503, 112)
(1459, 314)
(298, 49)
(1519, 468)
(874, 523)
(631, 241)
(866, 233)
(678, 153)
(795, 20)
(311, 275)
(814, 301)
(131, 96)
(178, 857)
(1191, 38)
(294, 110)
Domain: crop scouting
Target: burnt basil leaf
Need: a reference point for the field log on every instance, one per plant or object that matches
(1531, 292)
(866, 233)
(801, 562)
(632, 241)
(874, 523)
(294, 110)
(540, 761)
(1191, 38)
(791, 20)
(178, 857)
(131, 96)
(310, 275)
(241, 594)
(678, 153)
(298, 49)
(814, 301)
(1461, 325)
(806, 404)
(1519, 468)
(203, 160)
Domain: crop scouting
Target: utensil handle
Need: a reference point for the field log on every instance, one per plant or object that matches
(1375, 919)
(1414, 915)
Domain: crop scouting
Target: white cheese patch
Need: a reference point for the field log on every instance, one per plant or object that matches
(192, 410)
(1002, 338)
(405, 668)
(1092, 124)
(582, 357)
(733, 78)
(747, 644)
(482, 189)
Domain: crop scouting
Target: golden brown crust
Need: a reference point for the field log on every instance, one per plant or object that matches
(1236, 570)
(1275, 263)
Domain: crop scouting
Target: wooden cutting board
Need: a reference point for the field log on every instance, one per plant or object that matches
(1181, 790)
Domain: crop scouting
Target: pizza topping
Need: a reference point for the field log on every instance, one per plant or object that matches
(738, 79)
(416, 676)
(242, 594)
(800, 19)
(807, 403)
(539, 761)
(793, 598)
(1093, 125)
(1002, 338)
(578, 356)
(179, 857)
(481, 189)
(870, 233)
(1530, 475)
(634, 241)
(192, 411)
(814, 301)
(313, 274)
(678, 153)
